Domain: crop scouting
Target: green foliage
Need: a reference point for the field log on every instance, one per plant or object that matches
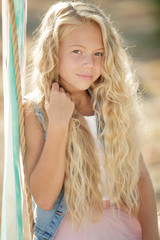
(157, 3)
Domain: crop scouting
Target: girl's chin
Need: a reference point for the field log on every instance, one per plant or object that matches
(74, 88)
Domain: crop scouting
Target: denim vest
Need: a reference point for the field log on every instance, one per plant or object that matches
(46, 223)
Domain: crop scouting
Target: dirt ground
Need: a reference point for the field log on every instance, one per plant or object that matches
(137, 20)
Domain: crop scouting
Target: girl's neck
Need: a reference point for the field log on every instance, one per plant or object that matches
(83, 102)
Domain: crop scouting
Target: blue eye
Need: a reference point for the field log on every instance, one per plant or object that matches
(77, 51)
(99, 54)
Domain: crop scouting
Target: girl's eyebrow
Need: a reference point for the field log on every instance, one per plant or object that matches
(79, 45)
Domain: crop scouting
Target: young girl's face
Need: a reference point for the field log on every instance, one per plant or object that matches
(80, 57)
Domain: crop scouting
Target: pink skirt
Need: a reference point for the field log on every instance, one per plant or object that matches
(110, 227)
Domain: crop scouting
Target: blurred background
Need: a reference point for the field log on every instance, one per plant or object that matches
(139, 23)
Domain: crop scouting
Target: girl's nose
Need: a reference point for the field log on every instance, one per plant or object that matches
(88, 61)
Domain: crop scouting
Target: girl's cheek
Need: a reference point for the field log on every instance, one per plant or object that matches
(75, 60)
(98, 63)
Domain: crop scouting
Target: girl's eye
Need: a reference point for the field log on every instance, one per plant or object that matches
(77, 51)
(99, 54)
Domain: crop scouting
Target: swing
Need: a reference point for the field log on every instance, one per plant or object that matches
(13, 66)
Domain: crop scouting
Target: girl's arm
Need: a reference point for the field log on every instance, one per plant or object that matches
(45, 160)
(147, 211)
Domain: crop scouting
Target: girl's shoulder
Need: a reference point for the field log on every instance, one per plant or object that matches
(33, 106)
(33, 113)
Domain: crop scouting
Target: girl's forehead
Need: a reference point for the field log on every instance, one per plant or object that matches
(89, 33)
(81, 27)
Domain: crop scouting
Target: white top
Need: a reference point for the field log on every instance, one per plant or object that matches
(91, 120)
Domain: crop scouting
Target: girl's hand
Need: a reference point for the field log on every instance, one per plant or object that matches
(59, 107)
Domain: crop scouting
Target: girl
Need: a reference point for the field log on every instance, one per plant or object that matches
(83, 163)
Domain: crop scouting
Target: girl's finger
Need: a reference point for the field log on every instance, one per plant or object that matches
(61, 89)
(55, 86)
(69, 96)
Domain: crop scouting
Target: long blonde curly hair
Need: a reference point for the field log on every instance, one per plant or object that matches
(115, 102)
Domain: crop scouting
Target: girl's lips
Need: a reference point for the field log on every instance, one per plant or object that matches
(84, 76)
